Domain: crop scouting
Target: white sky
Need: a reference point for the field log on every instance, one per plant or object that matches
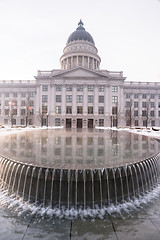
(33, 34)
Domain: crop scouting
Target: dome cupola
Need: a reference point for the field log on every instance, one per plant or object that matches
(80, 34)
(80, 50)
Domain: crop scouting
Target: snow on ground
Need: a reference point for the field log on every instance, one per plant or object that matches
(142, 131)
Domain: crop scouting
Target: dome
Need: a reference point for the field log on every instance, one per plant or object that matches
(80, 34)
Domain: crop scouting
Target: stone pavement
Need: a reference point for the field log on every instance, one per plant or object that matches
(144, 224)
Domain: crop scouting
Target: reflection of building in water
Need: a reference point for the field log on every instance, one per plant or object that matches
(89, 149)
(80, 94)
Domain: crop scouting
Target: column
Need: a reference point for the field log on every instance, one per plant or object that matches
(85, 100)
(74, 100)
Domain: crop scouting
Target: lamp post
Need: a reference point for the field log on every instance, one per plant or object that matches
(111, 119)
(47, 119)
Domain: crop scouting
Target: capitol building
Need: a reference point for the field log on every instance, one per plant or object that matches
(80, 94)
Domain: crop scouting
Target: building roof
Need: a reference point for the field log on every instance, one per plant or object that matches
(80, 34)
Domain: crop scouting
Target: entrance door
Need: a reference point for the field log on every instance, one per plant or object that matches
(79, 123)
(68, 123)
(90, 123)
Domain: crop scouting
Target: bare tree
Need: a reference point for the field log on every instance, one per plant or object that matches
(27, 111)
(130, 113)
(116, 115)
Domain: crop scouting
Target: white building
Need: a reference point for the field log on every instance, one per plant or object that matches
(80, 94)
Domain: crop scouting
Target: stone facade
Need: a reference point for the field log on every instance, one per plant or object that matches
(80, 94)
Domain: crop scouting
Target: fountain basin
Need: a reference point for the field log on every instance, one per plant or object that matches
(78, 169)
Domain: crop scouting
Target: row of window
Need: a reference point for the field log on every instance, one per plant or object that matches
(79, 88)
(14, 112)
(14, 103)
(15, 94)
(136, 123)
(144, 113)
(22, 121)
(79, 98)
(144, 95)
(144, 104)
(79, 110)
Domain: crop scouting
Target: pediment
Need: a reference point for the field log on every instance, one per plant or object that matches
(80, 72)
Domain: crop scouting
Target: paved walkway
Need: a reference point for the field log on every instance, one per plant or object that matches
(143, 224)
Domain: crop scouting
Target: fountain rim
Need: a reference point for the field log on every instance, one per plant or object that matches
(76, 169)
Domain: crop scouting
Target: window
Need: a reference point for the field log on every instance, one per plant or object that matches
(153, 123)
(152, 104)
(14, 111)
(128, 95)
(44, 98)
(144, 113)
(101, 88)
(136, 113)
(6, 94)
(114, 110)
(69, 98)
(69, 88)
(58, 88)
(159, 104)
(101, 110)
(90, 99)
(144, 96)
(144, 104)
(23, 112)
(158, 96)
(101, 99)
(145, 123)
(79, 88)
(44, 109)
(114, 99)
(31, 111)
(152, 113)
(5, 121)
(44, 88)
(128, 113)
(23, 94)
(136, 123)
(101, 122)
(58, 98)
(22, 121)
(15, 94)
(69, 110)
(136, 95)
(90, 110)
(152, 96)
(6, 112)
(57, 121)
(23, 103)
(14, 103)
(31, 94)
(79, 110)
(30, 122)
(79, 98)
(114, 89)
(127, 104)
(128, 122)
(6, 103)
(31, 103)
(136, 104)
(14, 121)
(90, 88)
(58, 109)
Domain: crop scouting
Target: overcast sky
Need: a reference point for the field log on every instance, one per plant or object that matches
(33, 34)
